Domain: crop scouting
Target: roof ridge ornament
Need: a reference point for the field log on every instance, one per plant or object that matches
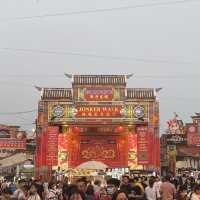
(68, 75)
(129, 75)
(158, 89)
(38, 88)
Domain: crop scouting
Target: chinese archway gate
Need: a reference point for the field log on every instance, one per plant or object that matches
(99, 119)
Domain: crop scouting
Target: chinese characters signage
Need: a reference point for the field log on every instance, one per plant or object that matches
(98, 94)
(12, 143)
(52, 146)
(142, 145)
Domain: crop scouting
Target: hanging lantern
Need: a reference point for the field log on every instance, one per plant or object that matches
(76, 129)
(120, 129)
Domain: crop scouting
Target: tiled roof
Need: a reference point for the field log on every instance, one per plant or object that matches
(140, 93)
(99, 79)
(56, 93)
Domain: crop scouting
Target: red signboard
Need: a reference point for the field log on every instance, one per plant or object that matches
(12, 143)
(142, 145)
(99, 111)
(191, 128)
(98, 94)
(111, 150)
(132, 150)
(193, 139)
(101, 149)
(52, 146)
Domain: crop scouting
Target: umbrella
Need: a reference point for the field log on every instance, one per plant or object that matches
(92, 165)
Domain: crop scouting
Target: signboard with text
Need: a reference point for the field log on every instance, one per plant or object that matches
(52, 146)
(176, 139)
(12, 143)
(87, 111)
(98, 94)
(142, 145)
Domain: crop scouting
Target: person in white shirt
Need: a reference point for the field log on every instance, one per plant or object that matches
(33, 195)
(150, 191)
(156, 185)
(19, 193)
(196, 194)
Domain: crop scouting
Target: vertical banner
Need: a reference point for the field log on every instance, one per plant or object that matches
(52, 146)
(151, 146)
(43, 148)
(158, 152)
(142, 145)
(37, 156)
(63, 151)
(132, 151)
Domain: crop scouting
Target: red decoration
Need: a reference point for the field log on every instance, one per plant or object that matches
(98, 94)
(108, 150)
(51, 150)
(12, 143)
(76, 129)
(120, 129)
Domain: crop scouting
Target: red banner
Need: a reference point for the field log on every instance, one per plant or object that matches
(193, 139)
(142, 145)
(99, 111)
(132, 150)
(52, 146)
(63, 150)
(110, 149)
(151, 145)
(12, 143)
(98, 94)
(158, 152)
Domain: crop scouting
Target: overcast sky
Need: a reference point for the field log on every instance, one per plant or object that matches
(158, 43)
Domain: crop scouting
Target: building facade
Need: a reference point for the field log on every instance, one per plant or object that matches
(14, 150)
(98, 119)
(180, 152)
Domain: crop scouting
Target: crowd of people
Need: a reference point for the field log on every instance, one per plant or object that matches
(134, 188)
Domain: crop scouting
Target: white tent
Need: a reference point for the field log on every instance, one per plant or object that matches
(92, 165)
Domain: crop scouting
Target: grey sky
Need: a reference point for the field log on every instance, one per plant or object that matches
(166, 32)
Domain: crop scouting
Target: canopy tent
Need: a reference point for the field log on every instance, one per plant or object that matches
(14, 160)
(92, 165)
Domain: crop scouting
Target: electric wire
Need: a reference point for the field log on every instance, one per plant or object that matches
(100, 10)
(35, 51)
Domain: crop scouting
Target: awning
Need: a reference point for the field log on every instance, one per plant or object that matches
(92, 165)
(14, 160)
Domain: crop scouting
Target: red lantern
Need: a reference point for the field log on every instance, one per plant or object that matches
(120, 129)
(76, 129)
